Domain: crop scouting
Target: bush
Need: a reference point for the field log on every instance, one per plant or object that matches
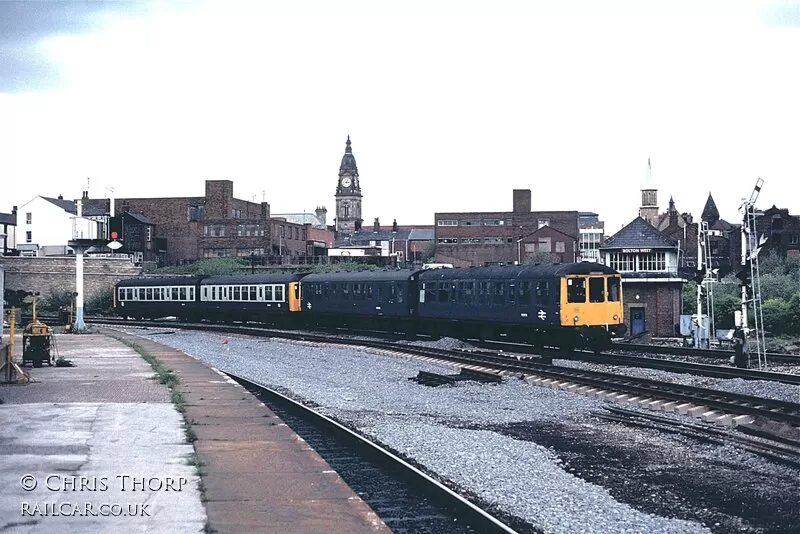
(54, 300)
(540, 257)
(777, 316)
(208, 267)
(101, 301)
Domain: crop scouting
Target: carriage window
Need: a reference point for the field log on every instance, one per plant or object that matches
(213, 292)
(499, 293)
(260, 292)
(483, 292)
(156, 293)
(252, 292)
(469, 292)
(237, 293)
(392, 292)
(597, 289)
(399, 294)
(182, 293)
(268, 293)
(279, 293)
(576, 289)
(444, 292)
(613, 288)
(543, 292)
(191, 293)
(149, 293)
(346, 291)
(141, 293)
(524, 292)
(379, 292)
(512, 294)
(430, 292)
(369, 291)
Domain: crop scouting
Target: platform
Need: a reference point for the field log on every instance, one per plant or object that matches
(107, 451)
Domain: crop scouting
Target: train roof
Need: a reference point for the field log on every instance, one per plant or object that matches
(244, 279)
(516, 271)
(159, 281)
(397, 275)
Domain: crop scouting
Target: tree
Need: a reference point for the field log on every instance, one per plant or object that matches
(429, 253)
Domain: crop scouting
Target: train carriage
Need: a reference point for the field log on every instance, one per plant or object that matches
(259, 297)
(364, 297)
(151, 298)
(564, 305)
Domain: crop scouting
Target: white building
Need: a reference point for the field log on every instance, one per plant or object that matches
(46, 225)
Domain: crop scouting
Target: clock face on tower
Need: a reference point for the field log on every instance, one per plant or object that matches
(346, 181)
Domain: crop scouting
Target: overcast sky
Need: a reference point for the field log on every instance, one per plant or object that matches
(449, 105)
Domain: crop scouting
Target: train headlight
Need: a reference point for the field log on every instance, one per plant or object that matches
(616, 317)
(575, 319)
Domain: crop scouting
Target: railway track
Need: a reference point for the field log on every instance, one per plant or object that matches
(406, 498)
(640, 388)
(718, 354)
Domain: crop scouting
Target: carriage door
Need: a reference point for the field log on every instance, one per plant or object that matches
(637, 322)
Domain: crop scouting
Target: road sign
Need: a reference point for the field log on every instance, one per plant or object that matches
(114, 245)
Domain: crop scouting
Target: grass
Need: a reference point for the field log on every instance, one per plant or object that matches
(170, 379)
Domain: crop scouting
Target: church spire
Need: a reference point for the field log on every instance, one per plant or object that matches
(710, 212)
(348, 165)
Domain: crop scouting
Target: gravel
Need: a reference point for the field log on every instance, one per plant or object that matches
(534, 453)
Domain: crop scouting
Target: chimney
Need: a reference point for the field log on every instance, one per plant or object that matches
(522, 200)
(358, 225)
(85, 195)
(394, 225)
(376, 227)
(60, 197)
(322, 214)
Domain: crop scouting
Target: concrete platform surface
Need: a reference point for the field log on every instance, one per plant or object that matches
(98, 447)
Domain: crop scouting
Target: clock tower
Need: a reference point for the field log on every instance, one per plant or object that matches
(348, 194)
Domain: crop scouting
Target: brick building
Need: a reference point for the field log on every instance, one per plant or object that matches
(403, 245)
(781, 229)
(652, 288)
(217, 225)
(481, 238)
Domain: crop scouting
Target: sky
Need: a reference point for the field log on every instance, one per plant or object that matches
(450, 105)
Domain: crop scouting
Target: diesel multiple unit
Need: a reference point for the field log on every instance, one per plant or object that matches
(564, 305)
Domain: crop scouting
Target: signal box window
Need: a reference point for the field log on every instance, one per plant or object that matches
(28, 237)
(28, 218)
(576, 289)
(597, 290)
(613, 289)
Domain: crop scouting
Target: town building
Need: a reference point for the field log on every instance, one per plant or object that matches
(217, 225)
(781, 230)
(591, 231)
(399, 246)
(652, 288)
(8, 232)
(487, 238)
(46, 225)
(348, 195)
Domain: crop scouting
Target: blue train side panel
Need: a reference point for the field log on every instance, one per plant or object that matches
(361, 294)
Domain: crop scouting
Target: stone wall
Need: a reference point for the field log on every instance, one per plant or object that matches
(57, 274)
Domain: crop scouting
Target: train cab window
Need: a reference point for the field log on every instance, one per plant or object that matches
(543, 292)
(399, 294)
(613, 288)
(279, 293)
(597, 289)
(430, 292)
(576, 289)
